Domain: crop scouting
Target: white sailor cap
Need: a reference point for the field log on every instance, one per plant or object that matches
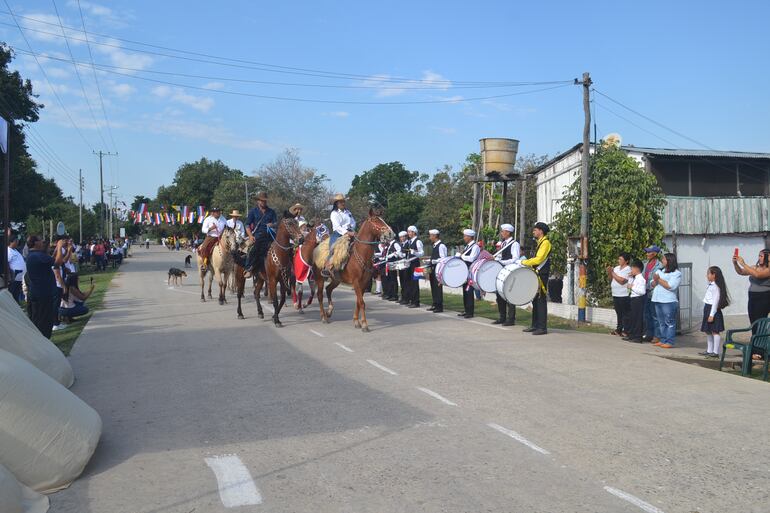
(433, 231)
(412, 228)
(469, 232)
(402, 234)
(507, 227)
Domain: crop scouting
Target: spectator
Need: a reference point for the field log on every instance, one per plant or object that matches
(665, 285)
(759, 283)
(99, 255)
(42, 297)
(17, 267)
(715, 300)
(637, 285)
(73, 299)
(64, 250)
(651, 330)
(620, 300)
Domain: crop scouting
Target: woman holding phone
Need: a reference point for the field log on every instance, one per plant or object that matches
(73, 299)
(759, 283)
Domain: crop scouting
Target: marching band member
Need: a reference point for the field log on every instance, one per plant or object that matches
(212, 226)
(236, 224)
(509, 253)
(469, 255)
(416, 251)
(436, 288)
(541, 263)
(390, 278)
(402, 278)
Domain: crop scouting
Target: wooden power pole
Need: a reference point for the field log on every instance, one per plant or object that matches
(584, 200)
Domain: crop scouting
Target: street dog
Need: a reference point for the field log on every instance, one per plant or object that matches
(176, 275)
(188, 261)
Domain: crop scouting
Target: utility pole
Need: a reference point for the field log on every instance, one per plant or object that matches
(80, 212)
(101, 184)
(584, 204)
(246, 185)
(112, 195)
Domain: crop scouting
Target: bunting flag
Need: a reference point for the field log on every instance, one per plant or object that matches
(200, 211)
(166, 218)
(142, 208)
(185, 212)
(157, 218)
(191, 218)
(176, 207)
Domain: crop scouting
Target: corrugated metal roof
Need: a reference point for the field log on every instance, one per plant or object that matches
(667, 152)
(702, 216)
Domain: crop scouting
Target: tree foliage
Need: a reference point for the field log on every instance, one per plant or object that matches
(195, 182)
(288, 181)
(626, 206)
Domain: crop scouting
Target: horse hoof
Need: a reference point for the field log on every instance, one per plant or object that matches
(278, 324)
(325, 321)
(365, 329)
(203, 300)
(221, 302)
(356, 324)
(240, 316)
(261, 316)
(302, 312)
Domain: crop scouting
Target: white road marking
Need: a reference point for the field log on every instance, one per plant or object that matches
(236, 487)
(382, 367)
(314, 332)
(518, 438)
(346, 348)
(436, 396)
(488, 325)
(636, 501)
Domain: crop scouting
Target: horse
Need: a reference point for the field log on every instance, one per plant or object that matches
(202, 272)
(277, 266)
(220, 264)
(305, 252)
(359, 268)
(238, 279)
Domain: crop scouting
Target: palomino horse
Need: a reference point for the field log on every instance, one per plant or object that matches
(358, 271)
(278, 266)
(220, 264)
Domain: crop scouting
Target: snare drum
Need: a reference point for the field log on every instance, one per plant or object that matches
(517, 284)
(484, 273)
(451, 271)
(399, 265)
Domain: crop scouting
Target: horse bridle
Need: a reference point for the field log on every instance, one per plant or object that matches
(382, 230)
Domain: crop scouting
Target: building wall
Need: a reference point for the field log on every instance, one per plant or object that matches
(718, 250)
(552, 183)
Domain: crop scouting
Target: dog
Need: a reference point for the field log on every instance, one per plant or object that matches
(176, 275)
(188, 261)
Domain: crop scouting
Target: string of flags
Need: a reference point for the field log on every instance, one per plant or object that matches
(180, 214)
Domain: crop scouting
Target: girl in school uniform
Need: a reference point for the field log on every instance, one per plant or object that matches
(714, 301)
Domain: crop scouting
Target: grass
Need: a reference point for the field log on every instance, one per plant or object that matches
(65, 339)
(487, 310)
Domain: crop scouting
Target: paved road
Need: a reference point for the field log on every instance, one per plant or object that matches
(206, 413)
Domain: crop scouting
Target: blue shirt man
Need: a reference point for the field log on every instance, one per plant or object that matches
(260, 218)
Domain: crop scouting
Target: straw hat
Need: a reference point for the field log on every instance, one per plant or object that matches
(235, 213)
(339, 197)
(262, 196)
(294, 210)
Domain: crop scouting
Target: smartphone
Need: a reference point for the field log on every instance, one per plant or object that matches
(736, 252)
(92, 280)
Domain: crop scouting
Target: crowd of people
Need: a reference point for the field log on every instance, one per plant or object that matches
(47, 279)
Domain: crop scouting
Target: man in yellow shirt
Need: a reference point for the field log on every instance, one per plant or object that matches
(541, 263)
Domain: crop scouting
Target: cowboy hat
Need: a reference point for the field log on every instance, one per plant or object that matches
(339, 197)
(216, 209)
(294, 210)
(235, 213)
(261, 196)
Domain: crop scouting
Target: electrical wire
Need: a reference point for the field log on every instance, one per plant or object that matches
(274, 68)
(45, 75)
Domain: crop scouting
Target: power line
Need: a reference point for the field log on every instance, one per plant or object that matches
(77, 73)
(45, 75)
(96, 78)
(107, 67)
(272, 68)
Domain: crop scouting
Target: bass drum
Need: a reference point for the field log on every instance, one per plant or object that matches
(451, 271)
(517, 284)
(484, 274)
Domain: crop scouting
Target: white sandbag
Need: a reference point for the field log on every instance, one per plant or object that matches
(17, 498)
(47, 434)
(8, 304)
(28, 343)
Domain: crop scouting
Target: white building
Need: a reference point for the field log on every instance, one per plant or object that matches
(716, 201)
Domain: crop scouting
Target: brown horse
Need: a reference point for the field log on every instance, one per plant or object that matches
(277, 267)
(306, 253)
(239, 280)
(358, 270)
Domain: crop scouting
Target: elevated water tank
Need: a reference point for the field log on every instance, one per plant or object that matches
(499, 155)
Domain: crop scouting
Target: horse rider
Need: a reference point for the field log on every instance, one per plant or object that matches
(541, 263)
(390, 277)
(436, 288)
(213, 226)
(296, 210)
(261, 219)
(416, 251)
(469, 255)
(236, 224)
(508, 253)
(404, 243)
(343, 224)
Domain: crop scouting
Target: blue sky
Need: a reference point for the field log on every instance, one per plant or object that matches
(697, 67)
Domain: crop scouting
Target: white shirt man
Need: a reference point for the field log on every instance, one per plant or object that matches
(469, 255)
(342, 221)
(16, 263)
(437, 244)
(236, 224)
(416, 248)
(213, 225)
(507, 240)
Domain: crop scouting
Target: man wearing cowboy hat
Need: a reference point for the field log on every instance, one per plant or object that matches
(261, 219)
(508, 253)
(212, 226)
(541, 263)
(296, 210)
(342, 224)
(236, 224)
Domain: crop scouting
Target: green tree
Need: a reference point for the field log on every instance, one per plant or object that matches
(391, 186)
(444, 208)
(626, 206)
(231, 194)
(195, 182)
(288, 181)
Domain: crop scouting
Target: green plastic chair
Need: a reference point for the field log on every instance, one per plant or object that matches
(759, 339)
(763, 344)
